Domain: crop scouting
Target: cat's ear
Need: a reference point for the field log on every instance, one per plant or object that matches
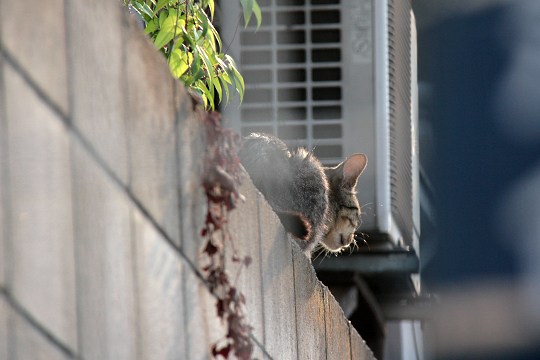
(352, 168)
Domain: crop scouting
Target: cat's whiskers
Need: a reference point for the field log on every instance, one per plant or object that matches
(366, 208)
(319, 250)
(354, 245)
(339, 251)
(363, 237)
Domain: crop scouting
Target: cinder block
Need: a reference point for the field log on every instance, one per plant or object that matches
(41, 229)
(191, 153)
(3, 181)
(337, 329)
(203, 327)
(278, 286)
(97, 78)
(159, 295)
(359, 348)
(104, 258)
(245, 232)
(150, 118)
(28, 343)
(39, 48)
(4, 329)
(310, 309)
(3, 221)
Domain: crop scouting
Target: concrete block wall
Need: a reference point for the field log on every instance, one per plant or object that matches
(102, 205)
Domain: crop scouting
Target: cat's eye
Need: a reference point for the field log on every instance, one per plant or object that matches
(354, 210)
(351, 221)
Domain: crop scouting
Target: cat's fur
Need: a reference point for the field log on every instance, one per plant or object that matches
(315, 204)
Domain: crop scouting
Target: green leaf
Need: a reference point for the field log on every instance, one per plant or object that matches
(168, 30)
(197, 75)
(209, 93)
(205, 21)
(239, 80)
(211, 6)
(197, 34)
(160, 5)
(251, 7)
(212, 37)
(162, 16)
(196, 63)
(143, 9)
(225, 85)
(163, 37)
(237, 77)
(224, 67)
(225, 76)
(179, 62)
(208, 70)
(217, 87)
(197, 72)
(188, 38)
(217, 38)
(201, 93)
(257, 13)
(151, 26)
(247, 7)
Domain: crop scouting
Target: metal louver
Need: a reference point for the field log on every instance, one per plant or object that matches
(293, 72)
(400, 114)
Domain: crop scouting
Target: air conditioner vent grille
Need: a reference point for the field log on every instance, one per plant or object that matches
(399, 55)
(293, 71)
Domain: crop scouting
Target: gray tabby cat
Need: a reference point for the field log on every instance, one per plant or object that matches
(315, 204)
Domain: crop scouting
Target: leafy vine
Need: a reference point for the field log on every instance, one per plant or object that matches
(221, 180)
(184, 33)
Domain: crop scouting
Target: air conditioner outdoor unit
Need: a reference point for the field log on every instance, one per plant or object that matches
(339, 77)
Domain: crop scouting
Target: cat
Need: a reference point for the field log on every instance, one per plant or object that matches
(315, 204)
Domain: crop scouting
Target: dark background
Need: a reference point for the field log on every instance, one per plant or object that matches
(465, 58)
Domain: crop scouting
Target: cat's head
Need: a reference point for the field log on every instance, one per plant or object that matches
(343, 216)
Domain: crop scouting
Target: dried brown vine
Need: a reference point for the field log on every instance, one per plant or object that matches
(222, 175)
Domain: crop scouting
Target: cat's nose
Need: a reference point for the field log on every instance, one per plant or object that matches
(342, 240)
